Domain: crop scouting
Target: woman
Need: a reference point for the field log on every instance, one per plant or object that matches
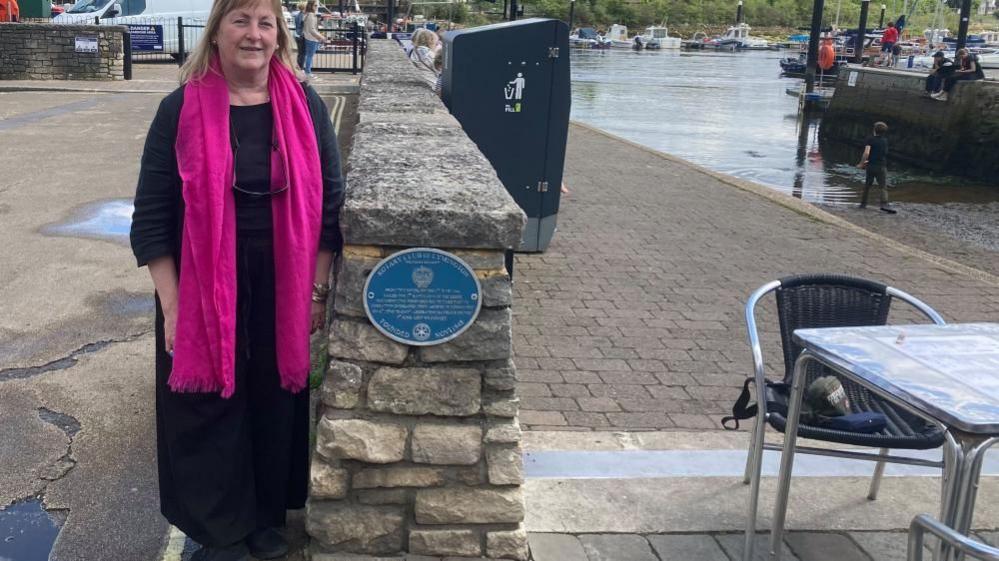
(236, 218)
(422, 54)
(312, 36)
(968, 68)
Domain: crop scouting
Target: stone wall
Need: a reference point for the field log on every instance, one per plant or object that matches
(418, 448)
(956, 136)
(37, 51)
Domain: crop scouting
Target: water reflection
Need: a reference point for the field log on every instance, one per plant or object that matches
(106, 220)
(27, 531)
(730, 112)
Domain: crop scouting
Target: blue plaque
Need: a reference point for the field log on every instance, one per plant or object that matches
(146, 37)
(422, 296)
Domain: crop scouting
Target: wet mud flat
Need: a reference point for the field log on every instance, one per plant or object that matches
(964, 232)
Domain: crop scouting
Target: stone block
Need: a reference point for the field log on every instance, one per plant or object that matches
(356, 439)
(463, 543)
(447, 444)
(356, 528)
(342, 386)
(425, 391)
(507, 545)
(349, 294)
(506, 464)
(481, 260)
(326, 481)
(383, 496)
(556, 547)
(398, 477)
(467, 505)
(489, 338)
(500, 405)
(496, 289)
(503, 378)
(359, 340)
(617, 546)
(680, 547)
(503, 432)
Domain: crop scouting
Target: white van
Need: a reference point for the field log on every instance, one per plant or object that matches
(144, 13)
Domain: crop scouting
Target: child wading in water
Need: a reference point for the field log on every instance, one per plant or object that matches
(875, 161)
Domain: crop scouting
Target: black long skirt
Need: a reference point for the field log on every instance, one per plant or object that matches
(230, 466)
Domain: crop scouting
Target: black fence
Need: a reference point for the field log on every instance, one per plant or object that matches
(171, 40)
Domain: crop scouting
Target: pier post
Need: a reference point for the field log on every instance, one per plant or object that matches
(881, 21)
(738, 13)
(858, 45)
(572, 10)
(962, 28)
(389, 17)
(513, 10)
(813, 45)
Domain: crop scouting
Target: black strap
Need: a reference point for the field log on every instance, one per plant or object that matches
(742, 409)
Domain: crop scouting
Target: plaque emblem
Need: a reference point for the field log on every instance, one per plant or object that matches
(423, 276)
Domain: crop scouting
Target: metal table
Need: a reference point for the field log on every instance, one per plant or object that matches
(948, 374)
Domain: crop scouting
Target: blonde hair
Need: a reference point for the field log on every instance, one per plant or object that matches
(423, 37)
(199, 62)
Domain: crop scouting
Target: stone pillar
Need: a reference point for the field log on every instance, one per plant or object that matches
(418, 448)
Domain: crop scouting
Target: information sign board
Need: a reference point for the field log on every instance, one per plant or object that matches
(86, 44)
(146, 38)
(422, 296)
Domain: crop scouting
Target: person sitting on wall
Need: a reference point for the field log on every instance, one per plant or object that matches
(942, 68)
(9, 11)
(422, 54)
(968, 68)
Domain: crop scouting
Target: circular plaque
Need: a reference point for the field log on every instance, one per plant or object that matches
(422, 296)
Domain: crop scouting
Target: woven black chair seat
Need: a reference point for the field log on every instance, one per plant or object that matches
(903, 430)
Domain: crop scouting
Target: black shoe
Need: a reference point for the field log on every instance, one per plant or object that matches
(234, 552)
(862, 206)
(888, 210)
(267, 543)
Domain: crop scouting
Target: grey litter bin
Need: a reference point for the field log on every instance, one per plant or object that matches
(508, 86)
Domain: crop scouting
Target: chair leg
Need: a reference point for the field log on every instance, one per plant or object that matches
(751, 455)
(754, 467)
(879, 471)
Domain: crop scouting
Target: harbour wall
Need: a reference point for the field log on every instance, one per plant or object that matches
(418, 447)
(36, 51)
(958, 136)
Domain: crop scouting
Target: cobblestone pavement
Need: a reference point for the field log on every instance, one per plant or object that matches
(632, 319)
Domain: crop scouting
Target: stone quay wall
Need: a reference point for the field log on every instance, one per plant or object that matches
(418, 448)
(37, 51)
(957, 136)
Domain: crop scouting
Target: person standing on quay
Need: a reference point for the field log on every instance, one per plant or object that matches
(875, 161)
(313, 39)
(236, 218)
(300, 34)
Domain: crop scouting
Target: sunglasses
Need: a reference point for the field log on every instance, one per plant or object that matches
(277, 186)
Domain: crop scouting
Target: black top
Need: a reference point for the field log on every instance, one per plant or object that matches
(971, 62)
(251, 128)
(879, 151)
(159, 206)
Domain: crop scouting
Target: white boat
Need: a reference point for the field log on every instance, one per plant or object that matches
(587, 38)
(618, 37)
(659, 34)
(738, 37)
(989, 59)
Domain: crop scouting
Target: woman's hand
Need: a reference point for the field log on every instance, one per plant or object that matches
(318, 316)
(169, 329)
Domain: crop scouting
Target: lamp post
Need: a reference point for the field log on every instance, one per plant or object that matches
(962, 26)
(881, 22)
(572, 10)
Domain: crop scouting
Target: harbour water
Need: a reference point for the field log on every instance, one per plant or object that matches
(729, 112)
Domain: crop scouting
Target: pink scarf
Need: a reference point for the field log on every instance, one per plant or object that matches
(205, 346)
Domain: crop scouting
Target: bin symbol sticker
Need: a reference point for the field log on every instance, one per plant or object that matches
(514, 91)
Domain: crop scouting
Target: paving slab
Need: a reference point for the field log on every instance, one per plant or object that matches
(824, 546)
(687, 547)
(555, 547)
(733, 546)
(617, 547)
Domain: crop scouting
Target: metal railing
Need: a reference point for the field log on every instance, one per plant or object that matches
(343, 50)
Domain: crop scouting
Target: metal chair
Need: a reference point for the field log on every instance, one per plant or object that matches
(948, 536)
(814, 301)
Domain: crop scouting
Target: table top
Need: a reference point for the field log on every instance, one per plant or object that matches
(950, 372)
